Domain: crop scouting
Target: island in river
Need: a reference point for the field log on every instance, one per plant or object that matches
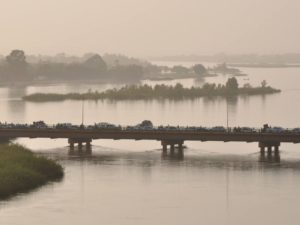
(140, 92)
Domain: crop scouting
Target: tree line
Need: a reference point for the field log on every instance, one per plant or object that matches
(14, 68)
(18, 67)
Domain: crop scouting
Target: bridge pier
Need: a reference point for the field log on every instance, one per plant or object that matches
(269, 146)
(174, 144)
(79, 142)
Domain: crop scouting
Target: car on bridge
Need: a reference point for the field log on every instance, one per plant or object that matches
(296, 130)
(66, 126)
(106, 126)
(275, 130)
(39, 125)
(218, 129)
(248, 130)
(144, 125)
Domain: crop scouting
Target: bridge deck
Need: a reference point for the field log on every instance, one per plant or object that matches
(150, 135)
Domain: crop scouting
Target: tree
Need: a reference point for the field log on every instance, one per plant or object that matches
(16, 68)
(264, 84)
(126, 72)
(16, 58)
(199, 69)
(96, 63)
(180, 69)
(232, 84)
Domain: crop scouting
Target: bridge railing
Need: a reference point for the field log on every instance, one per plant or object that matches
(130, 128)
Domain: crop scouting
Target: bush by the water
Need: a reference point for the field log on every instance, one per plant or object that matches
(21, 170)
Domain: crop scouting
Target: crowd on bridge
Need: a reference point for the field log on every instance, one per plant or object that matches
(147, 125)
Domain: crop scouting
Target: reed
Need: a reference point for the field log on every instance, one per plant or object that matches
(21, 170)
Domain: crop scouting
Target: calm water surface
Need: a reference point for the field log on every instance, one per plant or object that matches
(129, 182)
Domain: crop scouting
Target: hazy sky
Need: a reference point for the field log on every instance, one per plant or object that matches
(150, 27)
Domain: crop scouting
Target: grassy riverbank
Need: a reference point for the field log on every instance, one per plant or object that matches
(137, 92)
(21, 170)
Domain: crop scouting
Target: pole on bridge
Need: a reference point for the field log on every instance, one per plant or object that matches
(227, 115)
(82, 113)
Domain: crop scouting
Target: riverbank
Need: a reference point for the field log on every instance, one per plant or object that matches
(21, 170)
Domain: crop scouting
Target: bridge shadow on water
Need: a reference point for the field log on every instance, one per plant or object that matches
(191, 158)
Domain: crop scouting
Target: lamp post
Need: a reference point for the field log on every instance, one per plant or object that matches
(82, 114)
(227, 115)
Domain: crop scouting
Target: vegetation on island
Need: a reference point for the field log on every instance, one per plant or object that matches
(136, 92)
(21, 170)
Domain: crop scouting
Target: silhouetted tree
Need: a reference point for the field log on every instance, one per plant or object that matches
(199, 69)
(232, 84)
(15, 67)
(179, 69)
(96, 63)
(126, 73)
(16, 58)
(264, 84)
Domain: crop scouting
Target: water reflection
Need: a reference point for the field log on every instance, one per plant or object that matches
(186, 158)
(200, 81)
(17, 109)
(80, 152)
(269, 157)
(16, 92)
(177, 155)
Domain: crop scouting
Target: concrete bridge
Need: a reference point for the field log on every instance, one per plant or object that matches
(172, 139)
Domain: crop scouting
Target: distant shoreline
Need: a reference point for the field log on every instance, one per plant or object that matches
(263, 65)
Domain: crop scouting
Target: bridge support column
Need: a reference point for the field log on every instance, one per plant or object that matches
(79, 142)
(172, 149)
(180, 150)
(269, 146)
(276, 149)
(165, 148)
(71, 145)
(269, 149)
(173, 145)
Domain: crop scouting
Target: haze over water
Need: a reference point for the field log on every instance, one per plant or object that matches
(129, 182)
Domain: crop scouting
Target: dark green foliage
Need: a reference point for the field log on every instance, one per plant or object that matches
(92, 68)
(15, 69)
(16, 58)
(199, 69)
(21, 170)
(157, 92)
(126, 73)
(232, 84)
(179, 69)
(96, 64)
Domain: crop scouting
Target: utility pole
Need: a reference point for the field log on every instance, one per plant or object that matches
(82, 114)
(227, 115)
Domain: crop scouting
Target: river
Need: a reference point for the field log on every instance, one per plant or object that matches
(129, 182)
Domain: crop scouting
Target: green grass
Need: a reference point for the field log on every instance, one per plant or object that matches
(21, 170)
